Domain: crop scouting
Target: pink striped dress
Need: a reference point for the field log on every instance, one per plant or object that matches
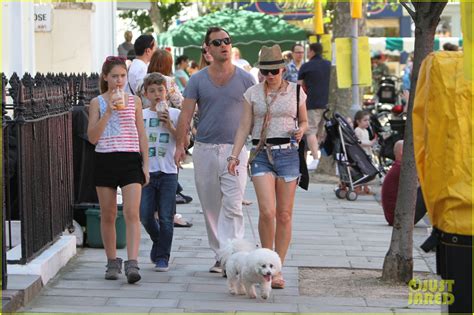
(121, 134)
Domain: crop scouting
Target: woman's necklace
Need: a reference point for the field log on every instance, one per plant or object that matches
(267, 89)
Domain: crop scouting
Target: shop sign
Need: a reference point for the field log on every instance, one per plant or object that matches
(384, 9)
(43, 15)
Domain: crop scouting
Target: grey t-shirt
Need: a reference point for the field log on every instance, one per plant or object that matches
(219, 107)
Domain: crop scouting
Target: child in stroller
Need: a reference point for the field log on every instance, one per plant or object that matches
(354, 166)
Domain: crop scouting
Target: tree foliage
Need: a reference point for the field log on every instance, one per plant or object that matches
(167, 12)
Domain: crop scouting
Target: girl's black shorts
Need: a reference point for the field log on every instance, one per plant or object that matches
(118, 169)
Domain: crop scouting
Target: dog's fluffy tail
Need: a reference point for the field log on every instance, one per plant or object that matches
(234, 246)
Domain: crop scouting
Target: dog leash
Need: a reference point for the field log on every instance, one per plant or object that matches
(248, 213)
(251, 225)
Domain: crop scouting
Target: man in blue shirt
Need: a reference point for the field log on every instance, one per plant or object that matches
(292, 68)
(314, 77)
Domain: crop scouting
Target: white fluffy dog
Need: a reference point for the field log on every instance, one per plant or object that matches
(232, 247)
(245, 269)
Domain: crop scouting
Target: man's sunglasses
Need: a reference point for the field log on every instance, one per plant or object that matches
(218, 42)
(266, 72)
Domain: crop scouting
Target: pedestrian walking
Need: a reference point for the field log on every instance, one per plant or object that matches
(270, 114)
(218, 91)
(159, 195)
(180, 74)
(162, 62)
(294, 65)
(314, 76)
(121, 159)
(144, 46)
(126, 46)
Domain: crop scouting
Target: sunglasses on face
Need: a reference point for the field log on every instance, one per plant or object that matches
(265, 72)
(218, 42)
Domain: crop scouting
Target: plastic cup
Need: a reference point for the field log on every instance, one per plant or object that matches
(119, 99)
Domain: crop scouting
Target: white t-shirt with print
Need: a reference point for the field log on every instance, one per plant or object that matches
(161, 144)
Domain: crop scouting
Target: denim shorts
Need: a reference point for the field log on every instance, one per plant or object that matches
(286, 164)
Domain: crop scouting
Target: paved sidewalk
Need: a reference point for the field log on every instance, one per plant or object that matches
(328, 232)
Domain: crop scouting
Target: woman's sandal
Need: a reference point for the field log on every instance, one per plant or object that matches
(278, 282)
(180, 222)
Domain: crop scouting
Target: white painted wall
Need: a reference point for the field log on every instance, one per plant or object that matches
(103, 30)
(67, 48)
(18, 41)
(81, 38)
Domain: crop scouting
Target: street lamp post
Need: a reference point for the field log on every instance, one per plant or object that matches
(356, 14)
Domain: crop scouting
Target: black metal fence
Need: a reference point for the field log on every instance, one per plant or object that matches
(38, 158)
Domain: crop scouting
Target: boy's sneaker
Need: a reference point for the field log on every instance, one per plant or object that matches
(216, 268)
(114, 268)
(131, 271)
(162, 265)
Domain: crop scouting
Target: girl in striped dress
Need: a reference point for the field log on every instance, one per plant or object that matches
(121, 159)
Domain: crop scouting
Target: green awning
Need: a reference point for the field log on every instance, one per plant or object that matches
(245, 27)
(249, 32)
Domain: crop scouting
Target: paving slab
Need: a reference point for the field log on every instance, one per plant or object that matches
(327, 232)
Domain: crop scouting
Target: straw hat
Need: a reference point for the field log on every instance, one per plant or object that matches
(270, 58)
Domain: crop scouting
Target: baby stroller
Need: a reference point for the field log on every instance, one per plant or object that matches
(354, 166)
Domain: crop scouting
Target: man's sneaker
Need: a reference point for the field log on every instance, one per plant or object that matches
(114, 268)
(216, 268)
(313, 165)
(182, 199)
(131, 271)
(162, 265)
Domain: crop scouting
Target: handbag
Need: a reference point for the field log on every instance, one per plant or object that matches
(304, 178)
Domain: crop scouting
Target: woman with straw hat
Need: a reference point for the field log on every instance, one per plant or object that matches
(270, 115)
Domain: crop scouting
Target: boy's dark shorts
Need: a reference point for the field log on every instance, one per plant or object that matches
(118, 169)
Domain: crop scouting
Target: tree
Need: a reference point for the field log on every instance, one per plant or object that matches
(158, 18)
(398, 263)
(340, 100)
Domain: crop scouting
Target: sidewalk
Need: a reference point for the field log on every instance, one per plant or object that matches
(328, 232)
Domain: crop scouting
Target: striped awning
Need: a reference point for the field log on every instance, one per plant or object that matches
(407, 44)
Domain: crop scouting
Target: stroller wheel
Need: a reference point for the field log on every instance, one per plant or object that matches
(340, 193)
(351, 195)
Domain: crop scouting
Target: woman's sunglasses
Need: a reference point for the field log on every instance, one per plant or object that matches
(266, 72)
(218, 42)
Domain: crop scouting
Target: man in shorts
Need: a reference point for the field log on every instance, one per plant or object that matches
(314, 76)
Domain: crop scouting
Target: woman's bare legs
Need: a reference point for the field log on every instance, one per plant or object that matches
(285, 197)
(265, 190)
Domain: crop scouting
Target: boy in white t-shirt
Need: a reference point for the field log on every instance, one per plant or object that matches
(160, 194)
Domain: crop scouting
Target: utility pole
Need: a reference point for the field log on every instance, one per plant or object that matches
(356, 14)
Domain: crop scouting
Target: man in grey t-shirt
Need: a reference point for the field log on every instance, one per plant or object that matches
(218, 91)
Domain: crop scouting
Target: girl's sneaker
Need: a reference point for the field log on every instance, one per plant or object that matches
(131, 271)
(114, 268)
